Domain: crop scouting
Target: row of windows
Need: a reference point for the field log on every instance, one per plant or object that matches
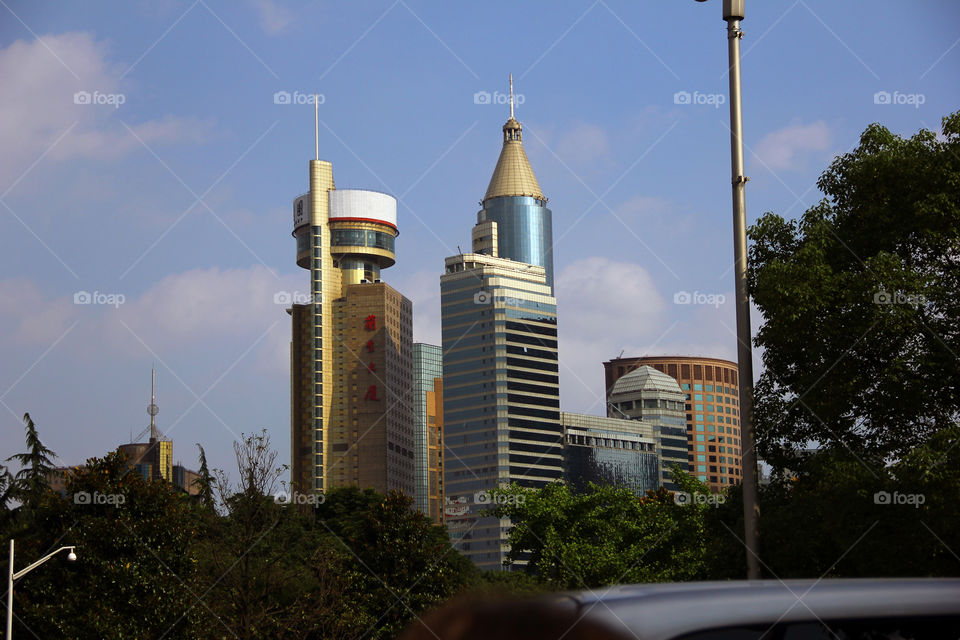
(707, 387)
(650, 403)
(610, 443)
(362, 238)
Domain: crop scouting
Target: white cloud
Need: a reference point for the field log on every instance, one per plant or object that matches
(604, 306)
(423, 288)
(274, 19)
(584, 145)
(190, 312)
(646, 207)
(29, 317)
(785, 148)
(39, 115)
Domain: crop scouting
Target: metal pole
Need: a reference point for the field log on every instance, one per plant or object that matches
(10, 595)
(744, 337)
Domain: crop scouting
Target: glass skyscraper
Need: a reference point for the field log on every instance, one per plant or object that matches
(427, 370)
(501, 393)
(515, 202)
(501, 399)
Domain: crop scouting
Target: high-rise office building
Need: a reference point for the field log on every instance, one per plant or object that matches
(711, 411)
(656, 399)
(612, 451)
(351, 348)
(501, 400)
(428, 428)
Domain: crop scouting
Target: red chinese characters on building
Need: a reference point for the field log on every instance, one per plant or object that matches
(370, 324)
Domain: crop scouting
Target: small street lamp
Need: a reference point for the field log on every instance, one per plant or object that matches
(11, 577)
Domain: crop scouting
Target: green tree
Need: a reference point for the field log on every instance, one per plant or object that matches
(606, 535)
(31, 482)
(267, 570)
(859, 300)
(845, 515)
(205, 481)
(401, 563)
(134, 573)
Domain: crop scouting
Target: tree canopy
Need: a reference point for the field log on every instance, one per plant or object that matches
(859, 298)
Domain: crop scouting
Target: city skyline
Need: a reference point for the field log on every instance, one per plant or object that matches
(112, 198)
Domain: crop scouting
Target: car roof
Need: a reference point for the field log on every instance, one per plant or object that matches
(663, 611)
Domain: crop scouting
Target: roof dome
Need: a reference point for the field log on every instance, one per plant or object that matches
(645, 378)
(513, 175)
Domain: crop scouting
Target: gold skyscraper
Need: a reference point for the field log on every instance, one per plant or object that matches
(350, 354)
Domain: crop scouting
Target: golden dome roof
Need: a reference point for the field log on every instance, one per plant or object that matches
(513, 175)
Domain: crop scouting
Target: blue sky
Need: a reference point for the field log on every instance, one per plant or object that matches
(171, 189)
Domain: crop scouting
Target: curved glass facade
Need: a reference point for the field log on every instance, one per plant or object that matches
(524, 230)
(362, 238)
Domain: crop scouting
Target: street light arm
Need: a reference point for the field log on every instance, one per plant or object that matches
(26, 570)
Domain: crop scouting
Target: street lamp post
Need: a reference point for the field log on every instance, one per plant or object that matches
(732, 15)
(12, 577)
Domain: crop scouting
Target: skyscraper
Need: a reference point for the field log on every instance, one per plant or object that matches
(351, 348)
(501, 400)
(428, 428)
(712, 415)
(516, 204)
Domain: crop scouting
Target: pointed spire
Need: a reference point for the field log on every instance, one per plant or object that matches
(153, 409)
(513, 175)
